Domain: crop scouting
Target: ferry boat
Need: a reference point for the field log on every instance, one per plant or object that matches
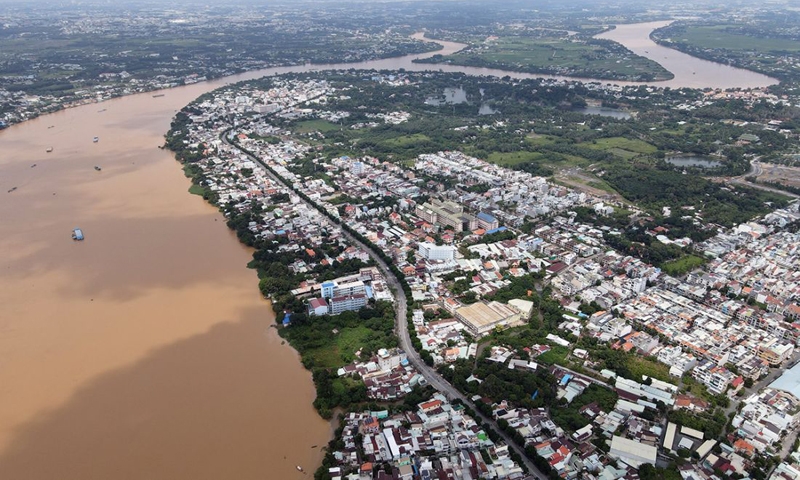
(77, 234)
(96, 139)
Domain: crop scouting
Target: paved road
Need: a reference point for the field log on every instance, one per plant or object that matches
(755, 171)
(401, 307)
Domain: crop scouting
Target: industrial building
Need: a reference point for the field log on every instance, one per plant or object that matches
(482, 317)
(632, 452)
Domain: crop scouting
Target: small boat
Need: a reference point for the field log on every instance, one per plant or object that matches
(49, 149)
(97, 167)
(96, 139)
(33, 166)
(299, 468)
(158, 95)
(77, 234)
(12, 189)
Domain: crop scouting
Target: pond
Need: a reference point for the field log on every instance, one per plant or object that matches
(452, 96)
(604, 112)
(487, 110)
(694, 161)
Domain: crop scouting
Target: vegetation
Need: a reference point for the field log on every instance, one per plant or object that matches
(764, 45)
(568, 416)
(683, 265)
(558, 55)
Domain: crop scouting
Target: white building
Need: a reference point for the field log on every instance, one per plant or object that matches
(430, 251)
(347, 303)
(632, 452)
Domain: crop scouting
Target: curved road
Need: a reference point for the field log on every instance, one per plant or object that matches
(401, 308)
(756, 171)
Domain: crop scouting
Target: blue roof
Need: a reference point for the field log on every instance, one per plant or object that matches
(328, 284)
(565, 380)
(495, 230)
(486, 217)
(287, 318)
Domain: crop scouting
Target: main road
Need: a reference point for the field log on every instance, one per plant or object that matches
(401, 308)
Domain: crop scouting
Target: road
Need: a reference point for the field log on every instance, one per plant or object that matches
(755, 171)
(434, 379)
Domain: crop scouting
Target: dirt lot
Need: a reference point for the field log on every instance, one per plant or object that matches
(781, 174)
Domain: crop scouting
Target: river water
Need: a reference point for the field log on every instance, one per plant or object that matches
(145, 350)
(689, 71)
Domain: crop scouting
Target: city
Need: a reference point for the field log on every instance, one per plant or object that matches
(451, 240)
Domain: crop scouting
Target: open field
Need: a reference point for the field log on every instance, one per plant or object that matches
(624, 148)
(342, 350)
(557, 55)
(514, 158)
(683, 265)
(717, 36)
(780, 174)
(316, 126)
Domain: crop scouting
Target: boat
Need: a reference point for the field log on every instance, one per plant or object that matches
(77, 234)
(299, 468)
(97, 167)
(11, 189)
(49, 149)
(158, 95)
(96, 139)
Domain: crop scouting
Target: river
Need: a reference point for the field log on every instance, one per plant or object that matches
(145, 350)
(689, 71)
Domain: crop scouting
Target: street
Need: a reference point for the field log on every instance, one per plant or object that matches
(433, 378)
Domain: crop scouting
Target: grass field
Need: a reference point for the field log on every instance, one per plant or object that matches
(406, 140)
(556, 355)
(556, 55)
(716, 37)
(514, 158)
(315, 126)
(639, 366)
(540, 140)
(682, 265)
(342, 352)
(621, 144)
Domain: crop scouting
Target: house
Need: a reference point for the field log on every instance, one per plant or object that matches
(318, 306)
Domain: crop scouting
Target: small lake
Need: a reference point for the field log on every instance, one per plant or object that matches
(603, 112)
(487, 110)
(452, 96)
(457, 96)
(694, 161)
